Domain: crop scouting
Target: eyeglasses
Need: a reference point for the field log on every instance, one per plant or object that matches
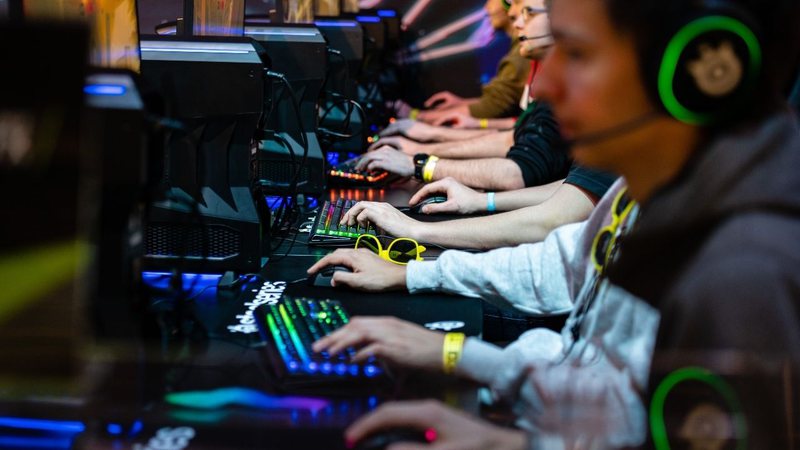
(529, 12)
(606, 238)
(399, 251)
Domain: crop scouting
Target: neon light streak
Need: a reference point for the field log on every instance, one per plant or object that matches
(447, 31)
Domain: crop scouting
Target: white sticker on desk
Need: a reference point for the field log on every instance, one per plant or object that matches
(269, 294)
(168, 439)
(447, 325)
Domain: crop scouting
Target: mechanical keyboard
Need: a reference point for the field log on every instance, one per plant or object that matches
(292, 325)
(326, 230)
(346, 173)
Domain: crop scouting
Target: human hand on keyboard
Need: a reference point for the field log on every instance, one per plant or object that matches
(370, 272)
(411, 129)
(398, 143)
(383, 216)
(460, 198)
(388, 159)
(389, 339)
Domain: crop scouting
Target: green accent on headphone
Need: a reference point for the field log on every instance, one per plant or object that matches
(675, 48)
(506, 4)
(658, 428)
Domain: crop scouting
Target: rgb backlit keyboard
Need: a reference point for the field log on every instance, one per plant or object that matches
(346, 173)
(291, 326)
(326, 230)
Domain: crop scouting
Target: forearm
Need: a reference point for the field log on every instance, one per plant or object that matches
(446, 134)
(526, 225)
(486, 173)
(521, 198)
(495, 144)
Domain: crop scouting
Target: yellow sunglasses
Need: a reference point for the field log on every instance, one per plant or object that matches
(399, 251)
(606, 238)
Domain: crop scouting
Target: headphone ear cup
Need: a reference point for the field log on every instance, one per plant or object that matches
(707, 68)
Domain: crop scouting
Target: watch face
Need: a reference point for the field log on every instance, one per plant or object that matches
(420, 159)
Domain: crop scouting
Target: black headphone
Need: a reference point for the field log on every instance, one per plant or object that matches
(707, 65)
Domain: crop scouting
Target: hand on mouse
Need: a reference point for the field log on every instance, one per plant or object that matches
(460, 198)
(388, 159)
(398, 143)
(443, 100)
(384, 217)
(389, 339)
(453, 429)
(370, 272)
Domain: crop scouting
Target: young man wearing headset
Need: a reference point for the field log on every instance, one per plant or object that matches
(684, 275)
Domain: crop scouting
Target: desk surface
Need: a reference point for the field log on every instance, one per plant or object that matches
(205, 383)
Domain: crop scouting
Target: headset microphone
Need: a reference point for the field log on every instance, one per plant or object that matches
(541, 36)
(614, 131)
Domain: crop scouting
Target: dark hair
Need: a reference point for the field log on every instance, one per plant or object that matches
(777, 23)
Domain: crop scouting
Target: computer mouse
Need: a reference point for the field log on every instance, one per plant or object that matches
(382, 439)
(325, 275)
(417, 209)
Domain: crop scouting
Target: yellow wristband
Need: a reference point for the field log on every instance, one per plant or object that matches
(484, 123)
(451, 351)
(427, 170)
(413, 114)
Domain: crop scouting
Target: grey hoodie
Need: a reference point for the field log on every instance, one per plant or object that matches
(717, 252)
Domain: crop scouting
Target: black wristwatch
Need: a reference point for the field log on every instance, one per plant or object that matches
(419, 162)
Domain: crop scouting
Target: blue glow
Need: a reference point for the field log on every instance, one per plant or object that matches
(293, 366)
(372, 401)
(352, 155)
(273, 202)
(312, 202)
(325, 23)
(34, 442)
(114, 429)
(371, 371)
(194, 50)
(374, 128)
(312, 367)
(280, 33)
(326, 368)
(368, 19)
(56, 426)
(161, 280)
(333, 158)
(353, 369)
(136, 428)
(341, 369)
(105, 89)
(387, 13)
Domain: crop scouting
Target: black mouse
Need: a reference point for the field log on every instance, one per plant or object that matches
(324, 276)
(417, 209)
(382, 439)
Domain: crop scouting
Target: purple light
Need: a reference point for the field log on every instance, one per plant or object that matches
(325, 23)
(293, 366)
(312, 367)
(368, 19)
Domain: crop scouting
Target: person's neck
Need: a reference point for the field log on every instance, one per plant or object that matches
(662, 160)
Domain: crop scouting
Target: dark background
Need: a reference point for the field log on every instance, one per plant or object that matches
(462, 74)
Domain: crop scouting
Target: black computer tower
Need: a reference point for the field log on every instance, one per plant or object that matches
(298, 52)
(112, 196)
(206, 219)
